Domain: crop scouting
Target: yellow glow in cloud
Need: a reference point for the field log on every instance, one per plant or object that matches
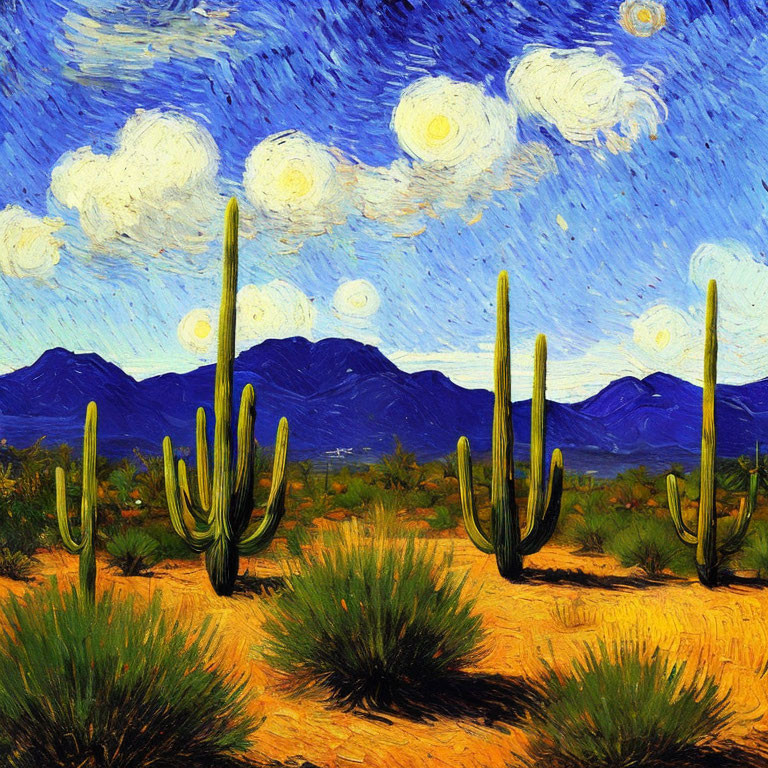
(28, 247)
(275, 310)
(666, 335)
(447, 123)
(586, 96)
(195, 331)
(356, 299)
(642, 18)
(294, 183)
(154, 192)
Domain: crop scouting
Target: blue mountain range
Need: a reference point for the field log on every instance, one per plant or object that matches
(346, 399)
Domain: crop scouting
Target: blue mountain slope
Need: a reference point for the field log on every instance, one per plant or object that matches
(341, 396)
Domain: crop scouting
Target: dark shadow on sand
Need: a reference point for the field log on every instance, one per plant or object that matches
(579, 578)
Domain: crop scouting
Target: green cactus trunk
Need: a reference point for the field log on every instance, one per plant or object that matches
(217, 526)
(505, 539)
(85, 548)
(706, 548)
(708, 553)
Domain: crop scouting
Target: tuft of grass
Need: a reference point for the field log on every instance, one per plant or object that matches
(573, 614)
(375, 622)
(296, 539)
(170, 545)
(15, 565)
(624, 705)
(133, 551)
(115, 685)
(444, 519)
(754, 556)
(592, 529)
(652, 545)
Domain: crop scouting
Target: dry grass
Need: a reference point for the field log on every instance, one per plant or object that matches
(726, 629)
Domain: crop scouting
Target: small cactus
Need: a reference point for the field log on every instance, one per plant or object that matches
(217, 525)
(543, 508)
(709, 554)
(85, 548)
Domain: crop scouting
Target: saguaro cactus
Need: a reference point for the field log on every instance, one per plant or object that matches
(709, 554)
(85, 548)
(217, 526)
(543, 508)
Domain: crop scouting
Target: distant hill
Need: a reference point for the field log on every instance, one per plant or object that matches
(345, 398)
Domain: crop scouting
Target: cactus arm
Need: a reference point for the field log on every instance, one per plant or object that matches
(203, 479)
(468, 507)
(747, 507)
(242, 500)
(63, 517)
(275, 509)
(184, 527)
(544, 529)
(536, 498)
(706, 549)
(673, 497)
(189, 511)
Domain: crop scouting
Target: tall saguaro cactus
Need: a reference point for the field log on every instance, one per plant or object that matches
(85, 547)
(709, 554)
(217, 526)
(505, 540)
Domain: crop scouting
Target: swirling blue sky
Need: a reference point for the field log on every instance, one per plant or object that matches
(610, 192)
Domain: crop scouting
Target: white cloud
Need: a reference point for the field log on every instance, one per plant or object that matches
(154, 193)
(123, 43)
(356, 299)
(667, 337)
(586, 96)
(28, 247)
(196, 331)
(463, 146)
(275, 310)
(295, 184)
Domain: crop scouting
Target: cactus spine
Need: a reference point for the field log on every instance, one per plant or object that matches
(85, 548)
(708, 553)
(217, 526)
(506, 541)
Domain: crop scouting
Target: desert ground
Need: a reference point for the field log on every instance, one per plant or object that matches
(567, 601)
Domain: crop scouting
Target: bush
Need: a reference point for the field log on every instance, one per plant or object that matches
(133, 552)
(754, 556)
(375, 622)
(444, 519)
(112, 686)
(170, 545)
(15, 565)
(652, 545)
(593, 528)
(623, 705)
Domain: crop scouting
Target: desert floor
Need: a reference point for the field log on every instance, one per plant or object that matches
(568, 600)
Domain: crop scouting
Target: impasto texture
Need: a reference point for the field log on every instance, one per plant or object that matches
(383, 383)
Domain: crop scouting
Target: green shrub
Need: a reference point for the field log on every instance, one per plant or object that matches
(650, 544)
(358, 494)
(444, 519)
(754, 556)
(593, 527)
(133, 551)
(115, 685)
(374, 621)
(623, 706)
(15, 565)
(170, 545)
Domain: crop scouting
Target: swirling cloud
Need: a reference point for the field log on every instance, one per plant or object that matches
(295, 184)
(586, 96)
(463, 146)
(275, 310)
(196, 331)
(642, 18)
(153, 194)
(28, 247)
(667, 336)
(356, 299)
